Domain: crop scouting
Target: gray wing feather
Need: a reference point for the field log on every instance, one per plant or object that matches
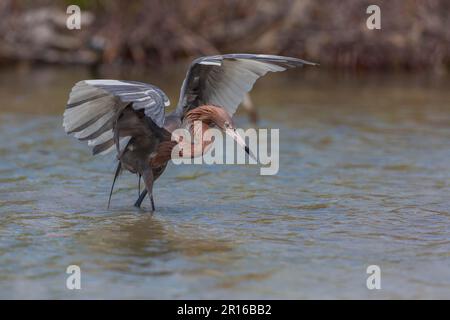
(94, 106)
(223, 80)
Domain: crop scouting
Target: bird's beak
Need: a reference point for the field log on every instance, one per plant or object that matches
(232, 133)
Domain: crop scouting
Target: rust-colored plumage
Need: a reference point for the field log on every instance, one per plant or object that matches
(129, 116)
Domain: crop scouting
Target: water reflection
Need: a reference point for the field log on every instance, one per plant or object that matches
(145, 235)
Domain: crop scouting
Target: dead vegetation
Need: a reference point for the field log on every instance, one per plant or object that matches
(415, 34)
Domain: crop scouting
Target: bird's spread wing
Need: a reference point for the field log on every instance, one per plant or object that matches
(95, 105)
(223, 80)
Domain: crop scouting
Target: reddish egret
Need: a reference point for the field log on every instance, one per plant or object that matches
(128, 116)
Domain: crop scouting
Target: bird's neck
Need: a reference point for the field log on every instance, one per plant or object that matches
(198, 145)
(196, 121)
(191, 148)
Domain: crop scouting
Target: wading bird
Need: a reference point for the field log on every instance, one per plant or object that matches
(128, 116)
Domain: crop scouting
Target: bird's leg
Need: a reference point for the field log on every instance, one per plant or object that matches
(152, 202)
(119, 167)
(139, 184)
(140, 199)
(147, 176)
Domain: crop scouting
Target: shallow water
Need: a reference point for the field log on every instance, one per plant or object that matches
(364, 179)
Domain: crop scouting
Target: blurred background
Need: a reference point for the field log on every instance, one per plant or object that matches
(364, 147)
(415, 34)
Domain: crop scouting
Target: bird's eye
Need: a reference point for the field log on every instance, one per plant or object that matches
(227, 124)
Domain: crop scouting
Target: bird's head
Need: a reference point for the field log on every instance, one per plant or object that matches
(215, 116)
